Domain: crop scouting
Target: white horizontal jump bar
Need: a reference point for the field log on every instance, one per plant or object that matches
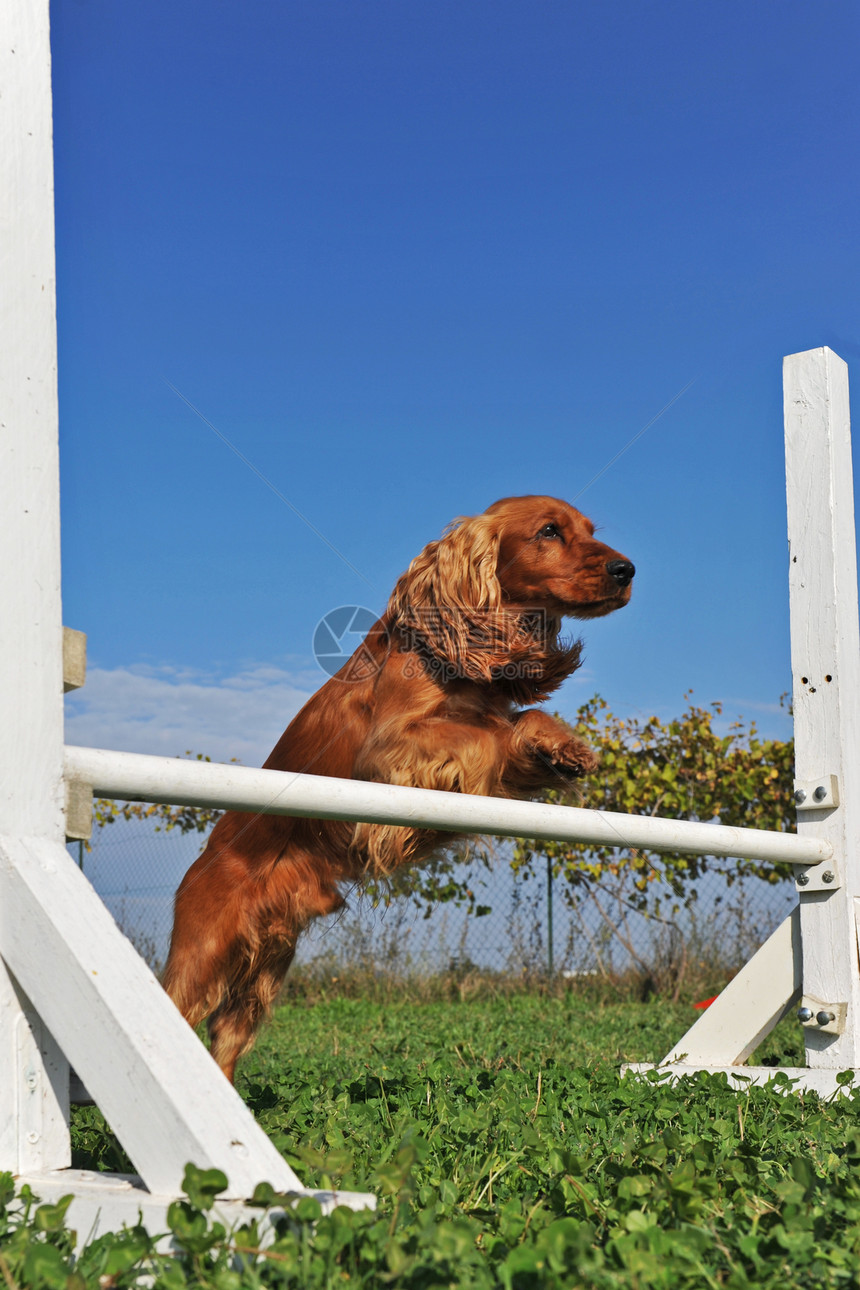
(135, 777)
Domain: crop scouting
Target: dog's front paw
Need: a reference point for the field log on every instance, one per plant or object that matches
(553, 748)
(569, 758)
(549, 755)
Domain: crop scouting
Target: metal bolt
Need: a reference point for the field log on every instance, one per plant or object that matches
(824, 1017)
(804, 1014)
(800, 796)
(802, 879)
(820, 793)
(828, 876)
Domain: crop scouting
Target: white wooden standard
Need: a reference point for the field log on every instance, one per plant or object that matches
(71, 986)
(811, 963)
(825, 661)
(31, 683)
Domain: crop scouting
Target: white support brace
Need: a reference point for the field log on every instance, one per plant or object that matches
(750, 1006)
(157, 1086)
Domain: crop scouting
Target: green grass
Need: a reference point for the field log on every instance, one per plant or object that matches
(506, 1151)
(522, 1031)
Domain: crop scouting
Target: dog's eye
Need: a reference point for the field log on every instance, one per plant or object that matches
(550, 531)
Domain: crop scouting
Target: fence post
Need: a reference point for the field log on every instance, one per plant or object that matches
(825, 660)
(549, 929)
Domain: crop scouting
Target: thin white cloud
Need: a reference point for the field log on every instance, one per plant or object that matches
(167, 710)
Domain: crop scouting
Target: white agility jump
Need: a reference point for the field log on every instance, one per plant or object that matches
(73, 990)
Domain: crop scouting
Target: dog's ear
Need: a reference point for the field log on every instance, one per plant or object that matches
(457, 572)
(443, 596)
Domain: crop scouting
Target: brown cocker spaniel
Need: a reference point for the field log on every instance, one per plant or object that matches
(433, 698)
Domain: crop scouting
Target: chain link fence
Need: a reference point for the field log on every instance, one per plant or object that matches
(529, 923)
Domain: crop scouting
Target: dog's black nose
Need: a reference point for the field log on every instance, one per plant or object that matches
(621, 570)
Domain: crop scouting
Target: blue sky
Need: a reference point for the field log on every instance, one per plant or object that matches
(410, 257)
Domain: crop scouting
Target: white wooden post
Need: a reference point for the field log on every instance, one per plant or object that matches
(70, 983)
(825, 661)
(811, 962)
(33, 1074)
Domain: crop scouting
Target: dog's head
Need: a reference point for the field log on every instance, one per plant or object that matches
(524, 553)
(496, 586)
(548, 558)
